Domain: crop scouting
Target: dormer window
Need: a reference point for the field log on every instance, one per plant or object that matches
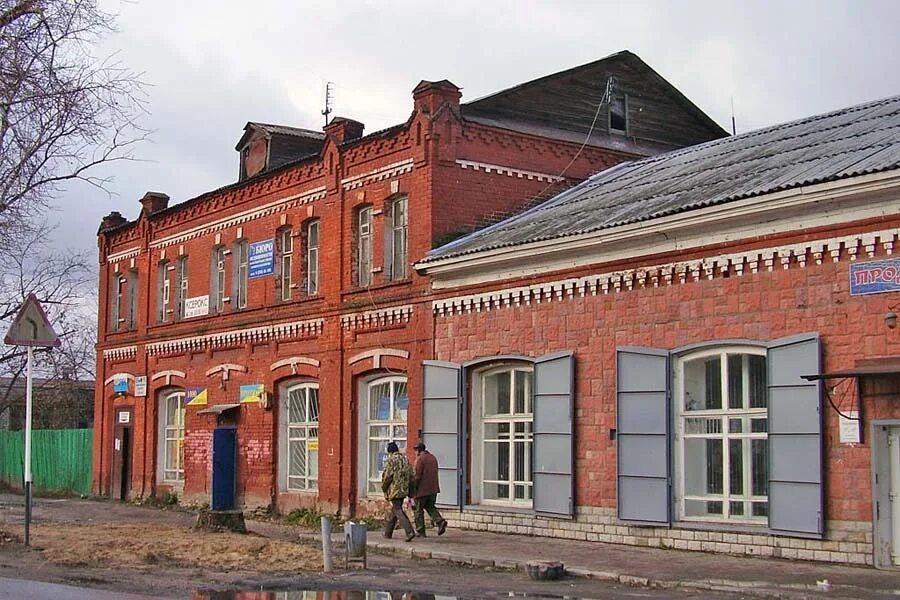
(618, 122)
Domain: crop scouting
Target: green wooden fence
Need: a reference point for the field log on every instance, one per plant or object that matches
(60, 459)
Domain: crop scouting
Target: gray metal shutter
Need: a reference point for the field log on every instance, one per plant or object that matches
(795, 436)
(642, 416)
(553, 470)
(441, 432)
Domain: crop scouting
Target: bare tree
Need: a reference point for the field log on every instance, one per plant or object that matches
(63, 111)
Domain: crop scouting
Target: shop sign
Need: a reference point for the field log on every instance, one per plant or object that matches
(120, 385)
(875, 276)
(195, 397)
(252, 392)
(261, 259)
(140, 386)
(198, 306)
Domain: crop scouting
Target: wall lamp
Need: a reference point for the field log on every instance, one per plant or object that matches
(890, 317)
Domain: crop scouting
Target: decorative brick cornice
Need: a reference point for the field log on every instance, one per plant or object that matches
(382, 317)
(508, 171)
(268, 333)
(379, 174)
(123, 255)
(277, 206)
(123, 353)
(752, 261)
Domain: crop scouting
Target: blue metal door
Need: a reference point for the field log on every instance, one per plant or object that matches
(224, 468)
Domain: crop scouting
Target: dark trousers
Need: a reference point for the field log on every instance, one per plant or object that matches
(397, 514)
(426, 504)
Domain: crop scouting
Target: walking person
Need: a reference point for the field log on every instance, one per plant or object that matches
(426, 486)
(395, 481)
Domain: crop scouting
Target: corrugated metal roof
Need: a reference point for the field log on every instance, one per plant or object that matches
(849, 142)
(285, 130)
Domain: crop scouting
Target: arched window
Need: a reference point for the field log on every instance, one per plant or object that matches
(504, 433)
(386, 403)
(171, 436)
(721, 442)
(299, 414)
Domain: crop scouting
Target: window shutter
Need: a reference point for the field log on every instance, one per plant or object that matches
(642, 416)
(795, 436)
(441, 417)
(553, 450)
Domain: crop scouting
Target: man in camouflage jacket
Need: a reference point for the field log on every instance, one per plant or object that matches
(395, 481)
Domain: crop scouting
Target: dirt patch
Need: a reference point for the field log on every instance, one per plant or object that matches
(146, 546)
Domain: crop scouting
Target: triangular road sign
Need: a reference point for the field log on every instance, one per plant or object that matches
(31, 326)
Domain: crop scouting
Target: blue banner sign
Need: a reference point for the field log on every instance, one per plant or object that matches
(261, 259)
(875, 276)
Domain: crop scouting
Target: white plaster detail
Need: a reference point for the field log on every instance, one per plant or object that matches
(377, 318)
(277, 206)
(225, 369)
(292, 362)
(377, 354)
(124, 352)
(708, 267)
(123, 255)
(379, 174)
(115, 376)
(508, 171)
(168, 375)
(267, 333)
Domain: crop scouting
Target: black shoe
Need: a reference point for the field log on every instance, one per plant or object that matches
(410, 537)
(442, 527)
(387, 536)
(421, 534)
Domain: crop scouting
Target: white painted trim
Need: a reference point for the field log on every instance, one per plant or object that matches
(168, 375)
(827, 204)
(119, 353)
(304, 197)
(508, 171)
(379, 174)
(115, 376)
(663, 274)
(377, 318)
(266, 333)
(377, 354)
(123, 254)
(292, 362)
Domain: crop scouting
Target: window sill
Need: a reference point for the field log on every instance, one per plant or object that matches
(505, 508)
(377, 288)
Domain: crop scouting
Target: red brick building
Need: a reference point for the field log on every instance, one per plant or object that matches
(272, 331)
(695, 350)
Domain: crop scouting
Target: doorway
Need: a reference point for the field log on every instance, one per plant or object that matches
(886, 493)
(121, 464)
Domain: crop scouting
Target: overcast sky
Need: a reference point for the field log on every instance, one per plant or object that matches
(213, 65)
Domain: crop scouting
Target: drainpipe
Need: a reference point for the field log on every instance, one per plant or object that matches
(894, 495)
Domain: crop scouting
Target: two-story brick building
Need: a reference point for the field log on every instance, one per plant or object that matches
(696, 350)
(274, 329)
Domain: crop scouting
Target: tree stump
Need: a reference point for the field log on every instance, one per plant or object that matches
(221, 520)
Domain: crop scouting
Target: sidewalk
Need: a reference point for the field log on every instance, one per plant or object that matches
(650, 567)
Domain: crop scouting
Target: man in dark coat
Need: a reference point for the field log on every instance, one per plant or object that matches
(395, 483)
(425, 483)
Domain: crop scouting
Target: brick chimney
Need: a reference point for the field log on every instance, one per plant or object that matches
(112, 220)
(428, 96)
(343, 130)
(154, 202)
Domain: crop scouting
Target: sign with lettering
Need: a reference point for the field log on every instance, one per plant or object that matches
(874, 276)
(198, 306)
(140, 386)
(195, 397)
(261, 259)
(252, 392)
(120, 385)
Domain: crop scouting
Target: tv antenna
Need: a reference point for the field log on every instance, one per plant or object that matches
(733, 126)
(329, 100)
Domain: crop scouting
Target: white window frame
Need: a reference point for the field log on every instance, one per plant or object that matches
(133, 286)
(171, 433)
(241, 273)
(181, 285)
(398, 428)
(399, 238)
(745, 414)
(312, 257)
(364, 247)
(514, 417)
(115, 316)
(301, 434)
(218, 279)
(163, 293)
(286, 260)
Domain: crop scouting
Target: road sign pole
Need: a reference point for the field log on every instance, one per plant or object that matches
(28, 382)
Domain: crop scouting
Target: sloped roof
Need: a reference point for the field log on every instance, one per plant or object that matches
(845, 143)
(270, 129)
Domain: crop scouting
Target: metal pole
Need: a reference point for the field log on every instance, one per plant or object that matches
(894, 494)
(326, 543)
(28, 371)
